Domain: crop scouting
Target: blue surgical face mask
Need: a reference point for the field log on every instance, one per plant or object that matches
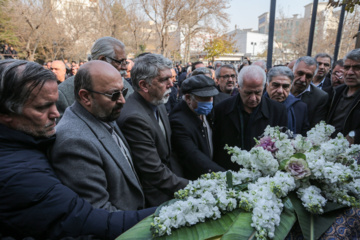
(204, 108)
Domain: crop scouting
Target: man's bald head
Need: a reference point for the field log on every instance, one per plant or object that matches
(59, 69)
(90, 71)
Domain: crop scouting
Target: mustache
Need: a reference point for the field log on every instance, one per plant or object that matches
(300, 83)
(167, 92)
(118, 106)
(49, 124)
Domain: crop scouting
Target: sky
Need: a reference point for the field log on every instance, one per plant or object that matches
(245, 13)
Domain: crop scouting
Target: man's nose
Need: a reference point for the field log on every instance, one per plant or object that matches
(170, 83)
(54, 113)
(303, 78)
(121, 99)
(252, 97)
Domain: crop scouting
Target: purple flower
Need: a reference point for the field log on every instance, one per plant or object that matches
(267, 144)
(298, 168)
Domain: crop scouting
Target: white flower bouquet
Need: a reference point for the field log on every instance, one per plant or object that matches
(309, 176)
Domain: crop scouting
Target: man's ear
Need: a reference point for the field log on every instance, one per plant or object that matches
(102, 58)
(6, 119)
(144, 86)
(187, 98)
(85, 97)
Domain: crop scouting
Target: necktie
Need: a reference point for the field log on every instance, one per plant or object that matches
(157, 115)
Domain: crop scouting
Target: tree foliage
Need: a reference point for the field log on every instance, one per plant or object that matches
(218, 46)
(350, 4)
(6, 28)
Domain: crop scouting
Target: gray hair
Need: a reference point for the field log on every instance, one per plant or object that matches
(217, 62)
(280, 71)
(105, 46)
(309, 61)
(324, 55)
(202, 70)
(17, 82)
(217, 72)
(147, 68)
(260, 63)
(353, 55)
(5, 63)
(82, 80)
(252, 70)
(339, 62)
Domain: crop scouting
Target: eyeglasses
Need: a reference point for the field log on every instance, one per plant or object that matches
(114, 96)
(120, 62)
(226, 77)
(354, 67)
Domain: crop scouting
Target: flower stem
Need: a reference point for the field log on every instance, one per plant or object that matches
(311, 227)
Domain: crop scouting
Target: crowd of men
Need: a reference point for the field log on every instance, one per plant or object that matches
(7, 52)
(94, 153)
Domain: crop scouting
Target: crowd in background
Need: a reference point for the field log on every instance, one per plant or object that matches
(7, 51)
(132, 132)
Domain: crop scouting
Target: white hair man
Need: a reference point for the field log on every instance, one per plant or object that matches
(240, 119)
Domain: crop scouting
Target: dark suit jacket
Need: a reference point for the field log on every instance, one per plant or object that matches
(316, 101)
(220, 97)
(190, 143)
(66, 95)
(327, 82)
(151, 150)
(227, 129)
(352, 120)
(173, 99)
(87, 159)
(297, 114)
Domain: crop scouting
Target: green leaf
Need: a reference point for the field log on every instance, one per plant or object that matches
(229, 180)
(287, 220)
(283, 164)
(316, 224)
(299, 155)
(241, 187)
(208, 229)
(241, 228)
(139, 231)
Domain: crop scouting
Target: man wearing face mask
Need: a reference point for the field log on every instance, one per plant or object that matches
(192, 127)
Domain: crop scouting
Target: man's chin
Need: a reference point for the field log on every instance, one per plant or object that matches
(157, 102)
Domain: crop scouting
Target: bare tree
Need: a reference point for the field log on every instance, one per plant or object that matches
(33, 24)
(202, 16)
(138, 30)
(164, 14)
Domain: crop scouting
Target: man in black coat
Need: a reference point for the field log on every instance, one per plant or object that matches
(344, 112)
(337, 77)
(322, 78)
(278, 89)
(34, 203)
(192, 130)
(240, 119)
(304, 70)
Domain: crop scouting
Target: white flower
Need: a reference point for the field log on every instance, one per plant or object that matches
(320, 133)
(301, 144)
(312, 200)
(263, 161)
(332, 166)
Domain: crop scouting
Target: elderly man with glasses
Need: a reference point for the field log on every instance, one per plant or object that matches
(107, 49)
(226, 77)
(90, 154)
